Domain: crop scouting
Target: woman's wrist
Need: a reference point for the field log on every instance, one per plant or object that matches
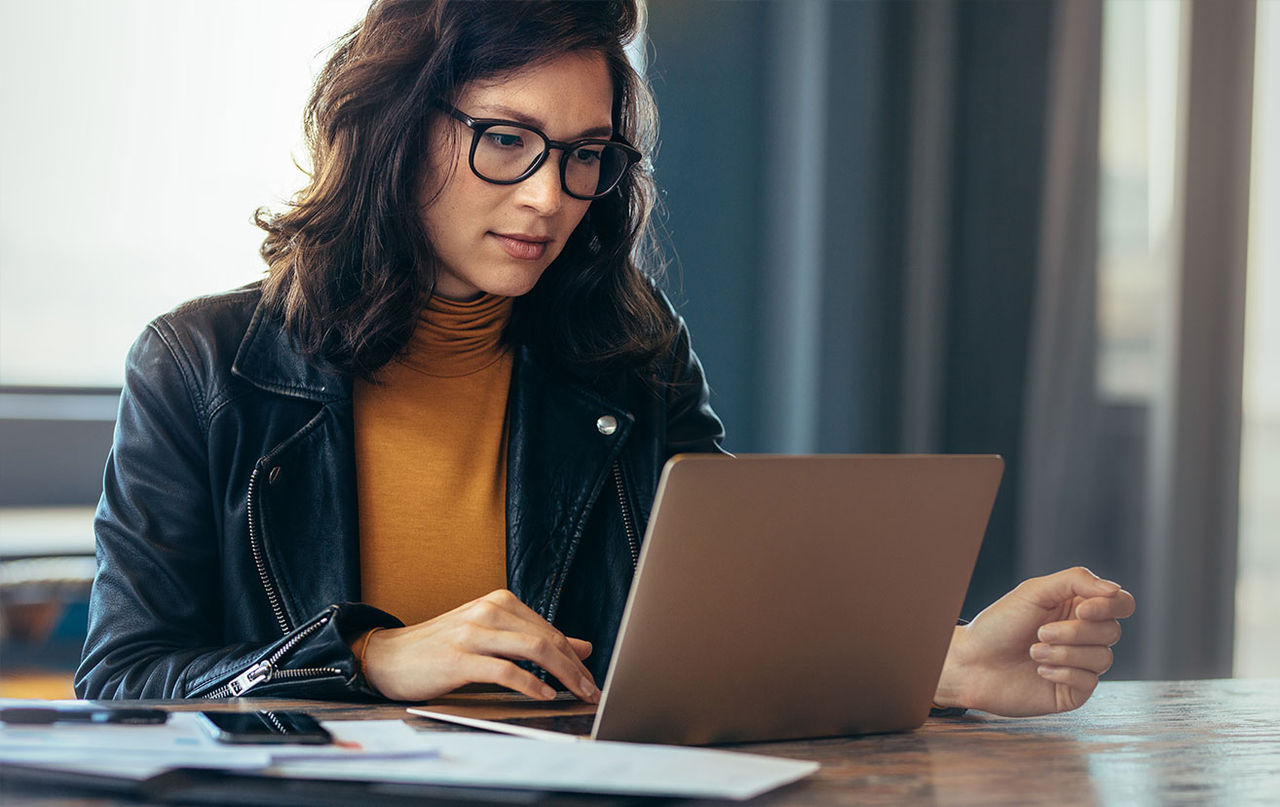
(360, 649)
(950, 690)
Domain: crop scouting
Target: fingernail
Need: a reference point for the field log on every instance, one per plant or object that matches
(1043, 670)
(588, 686)
(547, 692)
(1110, 585)
(1047, 634)
(1040, 652)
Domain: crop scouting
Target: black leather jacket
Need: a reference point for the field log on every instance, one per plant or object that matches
(227, 534)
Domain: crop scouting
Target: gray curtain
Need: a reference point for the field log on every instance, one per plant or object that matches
(1194, 448)
(1146, 491)
(884, 223)
(852, 195)
(1061, 479)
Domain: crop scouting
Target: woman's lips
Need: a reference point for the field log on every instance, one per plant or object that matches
(522, 247)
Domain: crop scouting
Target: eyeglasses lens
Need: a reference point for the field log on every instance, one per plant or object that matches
(593, 169)
(503, 153)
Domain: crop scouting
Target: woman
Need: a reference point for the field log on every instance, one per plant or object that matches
(421, 452)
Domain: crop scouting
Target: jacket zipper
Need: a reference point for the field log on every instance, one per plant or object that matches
(265, 670)
(259, 556)
(628, 524)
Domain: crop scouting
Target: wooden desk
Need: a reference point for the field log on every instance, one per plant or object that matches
(1135, 743)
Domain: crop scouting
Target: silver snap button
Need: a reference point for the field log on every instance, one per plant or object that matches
(274, 475)
(606, 424)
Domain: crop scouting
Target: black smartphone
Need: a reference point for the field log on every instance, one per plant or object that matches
(265, 727)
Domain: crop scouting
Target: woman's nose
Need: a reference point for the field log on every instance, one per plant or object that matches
(543, 191)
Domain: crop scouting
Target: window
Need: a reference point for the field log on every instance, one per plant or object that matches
(1257, 651)
(1137, 216)
(139, 138)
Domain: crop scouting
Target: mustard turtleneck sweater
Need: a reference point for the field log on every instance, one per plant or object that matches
(431, 464)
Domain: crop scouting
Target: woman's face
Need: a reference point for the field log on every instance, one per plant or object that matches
(498, 239)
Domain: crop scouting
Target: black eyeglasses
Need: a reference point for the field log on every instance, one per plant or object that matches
(505, 152)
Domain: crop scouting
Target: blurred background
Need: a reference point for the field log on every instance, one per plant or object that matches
(1039, 228)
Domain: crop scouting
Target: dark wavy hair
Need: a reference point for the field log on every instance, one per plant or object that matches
(349, 262)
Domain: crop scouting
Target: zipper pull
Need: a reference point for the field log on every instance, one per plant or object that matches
(250, 678)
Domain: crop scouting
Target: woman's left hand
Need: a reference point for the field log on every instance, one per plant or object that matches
(1038, 649)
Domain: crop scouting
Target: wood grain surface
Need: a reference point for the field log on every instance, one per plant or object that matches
(1134, 743)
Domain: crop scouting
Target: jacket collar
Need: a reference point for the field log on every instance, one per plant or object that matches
(268, 360)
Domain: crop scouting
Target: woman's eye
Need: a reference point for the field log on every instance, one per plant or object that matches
(586, 155)
(506, 140)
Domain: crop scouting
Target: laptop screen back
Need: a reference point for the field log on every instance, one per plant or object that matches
(781, 597)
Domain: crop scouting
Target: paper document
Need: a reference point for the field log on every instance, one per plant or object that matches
(393, 751)
(137, 752)
(493, 760)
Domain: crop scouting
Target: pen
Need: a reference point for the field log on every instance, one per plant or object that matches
(39, 715)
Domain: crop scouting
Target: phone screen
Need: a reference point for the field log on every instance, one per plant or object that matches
(266, 727)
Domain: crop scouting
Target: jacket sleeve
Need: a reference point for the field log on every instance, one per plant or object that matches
(155, 610)
(692, 426)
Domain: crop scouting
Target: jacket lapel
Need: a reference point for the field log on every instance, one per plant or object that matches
(305, 491)
(562, 441)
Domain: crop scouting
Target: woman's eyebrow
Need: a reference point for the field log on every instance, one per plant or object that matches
(498, 110)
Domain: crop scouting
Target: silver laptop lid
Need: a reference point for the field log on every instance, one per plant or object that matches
(780, 597)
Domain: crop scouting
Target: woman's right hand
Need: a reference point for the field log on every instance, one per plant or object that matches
(476, 643)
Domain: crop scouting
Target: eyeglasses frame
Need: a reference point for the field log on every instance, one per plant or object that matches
(479, 126)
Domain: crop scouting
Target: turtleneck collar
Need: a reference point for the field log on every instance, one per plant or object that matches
(455, 338)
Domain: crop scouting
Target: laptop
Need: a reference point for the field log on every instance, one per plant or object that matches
(781, 597)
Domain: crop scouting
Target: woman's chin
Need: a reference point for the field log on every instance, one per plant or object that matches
(514, 282)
